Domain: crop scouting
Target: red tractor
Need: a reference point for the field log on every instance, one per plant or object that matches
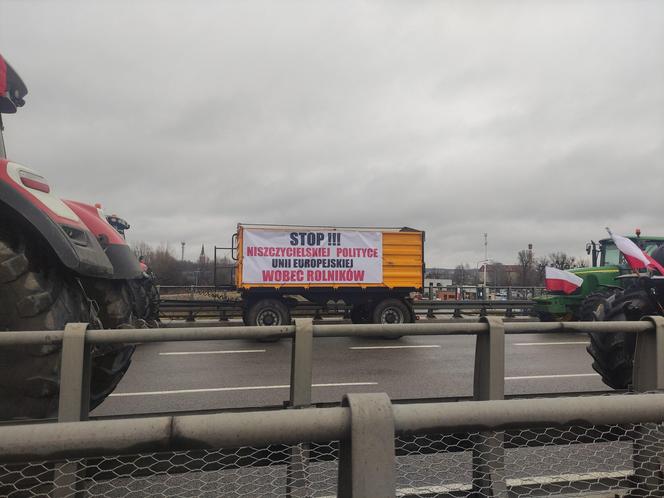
(60, 261)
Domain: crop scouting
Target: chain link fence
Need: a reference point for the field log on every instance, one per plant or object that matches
(524, 462)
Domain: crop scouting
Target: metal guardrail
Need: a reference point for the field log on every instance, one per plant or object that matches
(359, 436)
(223, 310)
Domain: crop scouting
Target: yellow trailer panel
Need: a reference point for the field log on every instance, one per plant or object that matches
(402, 258)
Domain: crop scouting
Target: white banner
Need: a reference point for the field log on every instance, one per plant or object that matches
(311, 257)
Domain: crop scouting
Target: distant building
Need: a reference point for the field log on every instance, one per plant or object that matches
(203, 259)
(500, 275)
(438, 283)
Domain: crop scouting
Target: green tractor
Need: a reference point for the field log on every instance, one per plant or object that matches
(599, 282)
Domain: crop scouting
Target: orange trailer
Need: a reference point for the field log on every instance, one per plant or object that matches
(373, 270)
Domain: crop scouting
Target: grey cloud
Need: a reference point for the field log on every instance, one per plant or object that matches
(536, 122)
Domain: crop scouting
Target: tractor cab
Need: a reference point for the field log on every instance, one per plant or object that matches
(605, 253)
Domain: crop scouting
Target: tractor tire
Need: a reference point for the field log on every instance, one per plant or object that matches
(613, 354)
(545, 316)
(595, 305)
(145, 300)
(37, 294)
(154, 299)
(116, 309)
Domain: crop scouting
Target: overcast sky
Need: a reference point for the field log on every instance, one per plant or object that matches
(534, 121)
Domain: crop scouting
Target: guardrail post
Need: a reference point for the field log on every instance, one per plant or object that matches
(74, 400)
(648, 375)
(648, 372)
(301, 363)
(489, 384)
(300, 397)
(367, 458)
(489, 375)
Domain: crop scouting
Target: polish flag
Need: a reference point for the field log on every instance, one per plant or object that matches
(561, 280)
(636, 258)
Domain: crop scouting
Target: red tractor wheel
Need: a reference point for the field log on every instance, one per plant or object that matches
(37, 294)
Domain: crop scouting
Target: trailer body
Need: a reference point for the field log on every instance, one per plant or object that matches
(372, 269)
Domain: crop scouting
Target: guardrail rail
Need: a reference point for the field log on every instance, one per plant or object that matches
(368, 446)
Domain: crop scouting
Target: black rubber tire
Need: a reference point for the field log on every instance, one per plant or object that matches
(545, 316)
(266, 312)
(116, 310)
(37, 294)
(613, 354)
(115, 301)
(145, 300)
(391, 311)
(261, 311)
(596, 304)
(360, 313)
(154, 300)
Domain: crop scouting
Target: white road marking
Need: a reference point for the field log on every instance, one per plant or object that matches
(396, 347)
(242, 388)
(528, 481)
(172, 353)
(585, 343)
(556, 376)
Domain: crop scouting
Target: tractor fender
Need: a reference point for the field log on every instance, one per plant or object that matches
(70, 240)
(590, 283)
(124, 261)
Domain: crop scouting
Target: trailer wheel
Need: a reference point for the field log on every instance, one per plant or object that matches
(391, 311)
(267, 312)
(360, 313)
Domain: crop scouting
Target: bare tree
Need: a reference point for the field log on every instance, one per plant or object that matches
(540, 265)
(464, 275)
(563, 261)
(525, 259)
(142, 249)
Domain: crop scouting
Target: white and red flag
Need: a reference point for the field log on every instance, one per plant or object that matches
(561, 280)
(634, 255)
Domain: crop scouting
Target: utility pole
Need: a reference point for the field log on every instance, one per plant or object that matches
(183, 243)
(486, 261)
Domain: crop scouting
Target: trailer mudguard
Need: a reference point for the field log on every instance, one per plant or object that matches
(71, 241)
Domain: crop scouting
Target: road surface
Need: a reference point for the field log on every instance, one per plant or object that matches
(175, 376)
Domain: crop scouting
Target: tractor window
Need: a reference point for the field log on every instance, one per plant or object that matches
(651, 246)
(610, 255)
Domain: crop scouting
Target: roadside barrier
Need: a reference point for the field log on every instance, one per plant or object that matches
(367, 447)
(192, 309)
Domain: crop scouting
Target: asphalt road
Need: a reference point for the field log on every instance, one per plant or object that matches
(174, 376)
